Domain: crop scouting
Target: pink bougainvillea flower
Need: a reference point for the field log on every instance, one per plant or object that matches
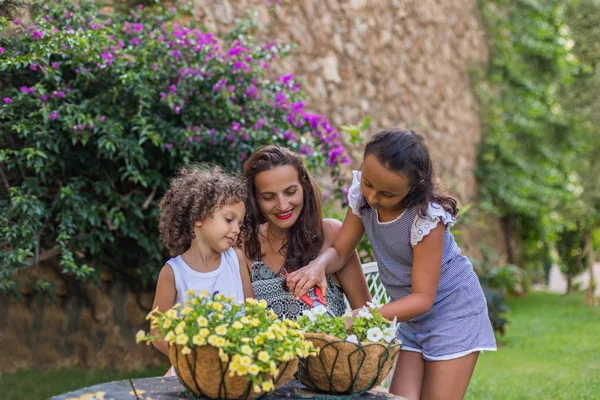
(7, 100)
(53, 115)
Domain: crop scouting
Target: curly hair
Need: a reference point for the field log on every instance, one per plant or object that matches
(306, 236)
(193, 195)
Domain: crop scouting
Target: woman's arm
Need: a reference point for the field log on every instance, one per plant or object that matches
(329, 261)
(245, 274)
(351, 276)
(427, 264)
(164, 300)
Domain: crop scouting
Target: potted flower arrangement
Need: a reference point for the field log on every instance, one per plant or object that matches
(351, 360)
(226, 350)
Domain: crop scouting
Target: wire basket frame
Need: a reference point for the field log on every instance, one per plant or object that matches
(346, 368)
(204, 374)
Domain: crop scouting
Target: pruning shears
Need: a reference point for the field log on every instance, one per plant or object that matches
(315, 301)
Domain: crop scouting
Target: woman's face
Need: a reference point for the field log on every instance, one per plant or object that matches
(279, 195)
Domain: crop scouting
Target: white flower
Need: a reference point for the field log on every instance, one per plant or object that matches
(309, 314)
(352, 339)
(375, 304)
(319, 310)
(389, 334)
(374, 334)
(365, 313)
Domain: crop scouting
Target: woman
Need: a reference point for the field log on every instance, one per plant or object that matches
(287, 231)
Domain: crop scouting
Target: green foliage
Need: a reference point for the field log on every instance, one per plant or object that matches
(523, 165)
(98, 110)
(580, 96)
(570, 248)
(367, 326)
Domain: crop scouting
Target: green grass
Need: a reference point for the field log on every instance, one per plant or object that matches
(551, 351)
(33, 384)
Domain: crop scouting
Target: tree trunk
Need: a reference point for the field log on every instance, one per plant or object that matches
(509, 230)
(587, 237)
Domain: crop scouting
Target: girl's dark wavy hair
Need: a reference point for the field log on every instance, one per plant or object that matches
(306, 236)
(405, 152)
(193, 195)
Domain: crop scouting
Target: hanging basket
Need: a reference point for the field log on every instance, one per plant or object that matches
(347, 368)
(204, 374)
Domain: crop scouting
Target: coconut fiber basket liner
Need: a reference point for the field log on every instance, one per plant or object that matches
(205, 375)
(347, 368)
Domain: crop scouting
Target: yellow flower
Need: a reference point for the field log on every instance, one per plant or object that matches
(246, 350)
(273, 369)
(169, 336)
(220, 297)
(245, 320)
(171, 313)
(217, 306)
(246, 340)
(270, 335)
(167, 323)
(262, 303)
(245, 361)
(257, 389)
(151, 313)
(181, 339)
(186, 350)
(259, 339)
(187, 310)
(220, 342)
(190, 292)
(221, 329)
(220, 316)
(202, 321)
(179, 328)
(250, 300)
(253, 369)
(195, 301)
(267, 386)
(203, 294)
(242, 370)
(224, 357)
(212, 340)
(237, 325)
(140, 336)
(255, 322)
(204, 332)
(198, 340)
(263, 356)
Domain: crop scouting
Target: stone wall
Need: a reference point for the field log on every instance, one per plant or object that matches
(405, 63)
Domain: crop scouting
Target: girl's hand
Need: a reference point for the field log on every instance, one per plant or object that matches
(302, 280)
(349, 319)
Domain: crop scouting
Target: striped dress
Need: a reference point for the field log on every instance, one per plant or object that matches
(459, 294)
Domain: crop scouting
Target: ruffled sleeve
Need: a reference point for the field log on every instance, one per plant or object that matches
(423, 225)
(355, 196)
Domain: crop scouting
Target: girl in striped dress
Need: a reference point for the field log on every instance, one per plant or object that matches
(434, 290)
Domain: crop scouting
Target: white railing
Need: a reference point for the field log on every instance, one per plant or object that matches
(375, 286)
(379, 293)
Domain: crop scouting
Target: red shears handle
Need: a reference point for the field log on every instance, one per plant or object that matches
(309, 301)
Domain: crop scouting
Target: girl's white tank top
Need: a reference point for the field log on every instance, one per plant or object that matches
(226, 279)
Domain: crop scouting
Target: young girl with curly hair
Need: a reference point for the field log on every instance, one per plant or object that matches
(201, 218)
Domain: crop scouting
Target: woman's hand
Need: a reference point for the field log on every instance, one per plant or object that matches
(302, 280)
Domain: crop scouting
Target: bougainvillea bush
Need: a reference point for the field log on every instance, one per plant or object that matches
(99, 107)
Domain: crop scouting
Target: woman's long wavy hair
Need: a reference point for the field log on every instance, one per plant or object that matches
(405, 152)
(306, 236)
